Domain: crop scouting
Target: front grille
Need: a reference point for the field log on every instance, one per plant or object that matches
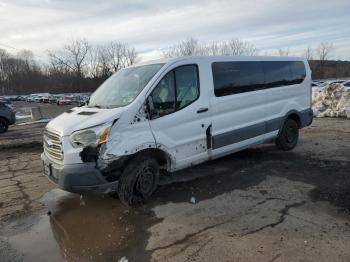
(53, 145)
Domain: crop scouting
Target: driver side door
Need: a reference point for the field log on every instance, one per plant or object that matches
(181, 116)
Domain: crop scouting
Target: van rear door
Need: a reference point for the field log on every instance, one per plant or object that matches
(238, 105)
(181, 115)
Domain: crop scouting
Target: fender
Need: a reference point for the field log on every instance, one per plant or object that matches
(305, 118)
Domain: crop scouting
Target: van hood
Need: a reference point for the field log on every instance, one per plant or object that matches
(83, 117)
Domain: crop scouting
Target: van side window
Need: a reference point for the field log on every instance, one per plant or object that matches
(277, 73)
(187, 87)
(246, 76)
(298, 71)
(237, 77)
(164, 95)
(177, 89)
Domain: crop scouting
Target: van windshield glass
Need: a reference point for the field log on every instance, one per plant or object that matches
(123, 87)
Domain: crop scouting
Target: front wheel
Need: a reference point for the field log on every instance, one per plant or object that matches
(138, 180)
(3, 125)
(289, 135)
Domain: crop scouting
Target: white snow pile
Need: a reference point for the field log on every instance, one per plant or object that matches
(332, 100)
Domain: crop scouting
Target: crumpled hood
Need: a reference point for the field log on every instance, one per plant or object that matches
(83, 117)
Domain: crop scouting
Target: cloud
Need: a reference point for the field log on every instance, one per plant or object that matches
(151, 26)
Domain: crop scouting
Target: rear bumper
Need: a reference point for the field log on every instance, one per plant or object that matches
(83, 178)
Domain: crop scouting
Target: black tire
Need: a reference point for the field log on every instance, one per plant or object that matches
(138, 180)
(4, 125)
(289, 135)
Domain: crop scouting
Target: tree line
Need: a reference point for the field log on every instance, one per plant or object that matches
(76, 67)
(79, 66)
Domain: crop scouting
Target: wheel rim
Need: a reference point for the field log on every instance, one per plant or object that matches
(291, 134)
(145, 181)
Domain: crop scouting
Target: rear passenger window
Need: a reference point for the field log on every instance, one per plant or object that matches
(277, 73)
(298, 71)
(237, 77)
(282, 73)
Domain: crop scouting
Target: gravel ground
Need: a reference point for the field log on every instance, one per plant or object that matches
(259, 204)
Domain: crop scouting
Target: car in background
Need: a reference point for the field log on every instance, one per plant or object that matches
(53, 99)
(7, 102)
(65, 101)
(347, 84)
(338, 81)
(7, 116)
(30, 99)
(44, 99)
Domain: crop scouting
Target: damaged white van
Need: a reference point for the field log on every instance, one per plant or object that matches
(174, 113)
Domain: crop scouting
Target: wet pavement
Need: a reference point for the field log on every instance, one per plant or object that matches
(76, 228)
(257, 205)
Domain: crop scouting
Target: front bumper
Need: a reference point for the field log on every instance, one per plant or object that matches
(83, 178)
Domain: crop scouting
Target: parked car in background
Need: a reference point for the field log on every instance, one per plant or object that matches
(30, 99)
(44, 99)
(54, 98)
(338, 81)
(65, 101)
(346, 84)
(7, 102)
(7, 116)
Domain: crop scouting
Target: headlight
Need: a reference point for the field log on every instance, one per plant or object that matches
(90, 136)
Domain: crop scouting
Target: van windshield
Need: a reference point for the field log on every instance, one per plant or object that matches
(123, 87)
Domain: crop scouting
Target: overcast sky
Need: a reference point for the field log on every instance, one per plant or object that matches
(152, 25)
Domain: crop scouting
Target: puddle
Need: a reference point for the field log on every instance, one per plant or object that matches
(81, 229)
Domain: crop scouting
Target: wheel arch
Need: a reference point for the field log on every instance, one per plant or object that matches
(292, 114)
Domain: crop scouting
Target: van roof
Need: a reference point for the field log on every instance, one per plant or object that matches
(221, 58)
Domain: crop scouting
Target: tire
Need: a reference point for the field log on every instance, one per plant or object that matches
(289, 135)
(138, 180)
(3, 125)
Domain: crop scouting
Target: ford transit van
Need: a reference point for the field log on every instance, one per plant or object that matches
(175, 113)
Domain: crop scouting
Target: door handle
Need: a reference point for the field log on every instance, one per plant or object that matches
(202, 110)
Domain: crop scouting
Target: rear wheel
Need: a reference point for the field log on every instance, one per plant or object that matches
(138, 180)
(289, 135)
(3, 125)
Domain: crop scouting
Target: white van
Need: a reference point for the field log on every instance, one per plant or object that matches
(174, 113)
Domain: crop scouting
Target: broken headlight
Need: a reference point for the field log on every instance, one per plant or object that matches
(90, 136)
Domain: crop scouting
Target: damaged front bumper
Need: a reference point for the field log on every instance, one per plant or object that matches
(82, 178)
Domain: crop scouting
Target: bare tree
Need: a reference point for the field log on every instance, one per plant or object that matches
(120, 55)
(186, 47)
(308, 54)
(73, 57)
(284, 52)
(323, 51)
(130, 56)
(191, 46)
(238, 47)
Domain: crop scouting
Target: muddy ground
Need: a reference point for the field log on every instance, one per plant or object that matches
(257, 205)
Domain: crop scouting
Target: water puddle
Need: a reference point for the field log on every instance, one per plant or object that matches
(75, 228)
